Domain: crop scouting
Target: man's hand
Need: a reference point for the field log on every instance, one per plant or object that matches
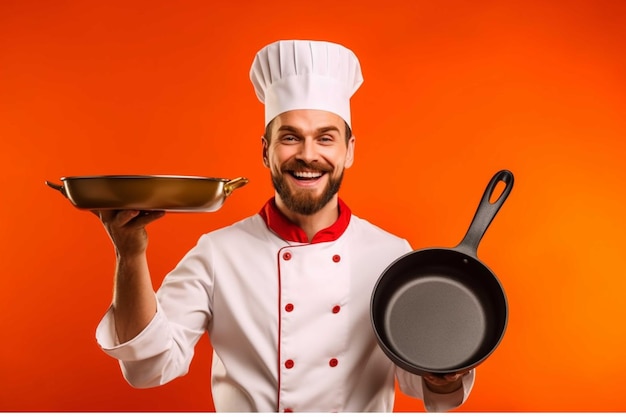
(126, 228)
(444, 384)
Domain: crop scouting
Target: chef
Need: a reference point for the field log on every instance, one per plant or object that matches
(284, 294)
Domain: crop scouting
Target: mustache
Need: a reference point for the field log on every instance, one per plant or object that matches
(298, 165)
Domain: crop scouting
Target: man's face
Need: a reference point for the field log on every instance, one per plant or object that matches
(307, 154)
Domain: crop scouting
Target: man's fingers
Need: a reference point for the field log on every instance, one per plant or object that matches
(435, 380)
(442, 379)
(452, 377)
(106, 216)
(142, 218)
(123, 217)
(134, 218)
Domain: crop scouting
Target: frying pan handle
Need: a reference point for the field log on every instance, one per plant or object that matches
(232, 185)
(486, 212)
(57, 187)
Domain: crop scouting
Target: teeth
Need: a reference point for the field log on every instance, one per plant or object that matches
(307, 174)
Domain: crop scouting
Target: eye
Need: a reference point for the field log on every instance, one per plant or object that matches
(326, 139)
(289, 139)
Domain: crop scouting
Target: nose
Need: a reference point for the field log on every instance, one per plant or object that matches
(307, 151)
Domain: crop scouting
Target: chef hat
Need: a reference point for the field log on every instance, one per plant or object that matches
(300, 74)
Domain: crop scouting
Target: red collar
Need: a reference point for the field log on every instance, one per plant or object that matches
(283, 227)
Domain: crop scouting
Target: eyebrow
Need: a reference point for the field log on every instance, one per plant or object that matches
(324, 129)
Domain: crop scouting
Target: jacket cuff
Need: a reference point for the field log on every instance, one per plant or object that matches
(434, 402)
(144, 345)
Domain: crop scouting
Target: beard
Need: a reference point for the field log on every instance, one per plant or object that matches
(304, 201)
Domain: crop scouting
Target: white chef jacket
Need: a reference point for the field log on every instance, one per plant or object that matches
(288, 320)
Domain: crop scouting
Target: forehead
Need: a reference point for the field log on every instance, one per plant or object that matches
(308, 121)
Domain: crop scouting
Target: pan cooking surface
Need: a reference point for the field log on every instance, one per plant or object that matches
(438, 310)
(435, 323)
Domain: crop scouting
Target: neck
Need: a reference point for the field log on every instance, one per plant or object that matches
(312, 223)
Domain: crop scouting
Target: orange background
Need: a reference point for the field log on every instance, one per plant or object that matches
(453, 92)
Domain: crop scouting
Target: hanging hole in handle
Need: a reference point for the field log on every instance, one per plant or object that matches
(497, 192)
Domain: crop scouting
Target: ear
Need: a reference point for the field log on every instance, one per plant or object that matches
(350, 152)
(265, 145)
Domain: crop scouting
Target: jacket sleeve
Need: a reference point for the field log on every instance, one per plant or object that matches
(164, 349)
(145, 360)
(414, 386)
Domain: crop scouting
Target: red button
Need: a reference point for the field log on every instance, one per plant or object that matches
(336, 258)
(289, 364)
(336, 309)
(287, 256)
(333, 362)
(288, 410)
(289, 308)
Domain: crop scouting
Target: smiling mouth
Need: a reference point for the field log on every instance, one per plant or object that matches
(306, 175)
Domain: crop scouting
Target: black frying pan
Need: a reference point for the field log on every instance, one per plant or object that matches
(441, 310)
